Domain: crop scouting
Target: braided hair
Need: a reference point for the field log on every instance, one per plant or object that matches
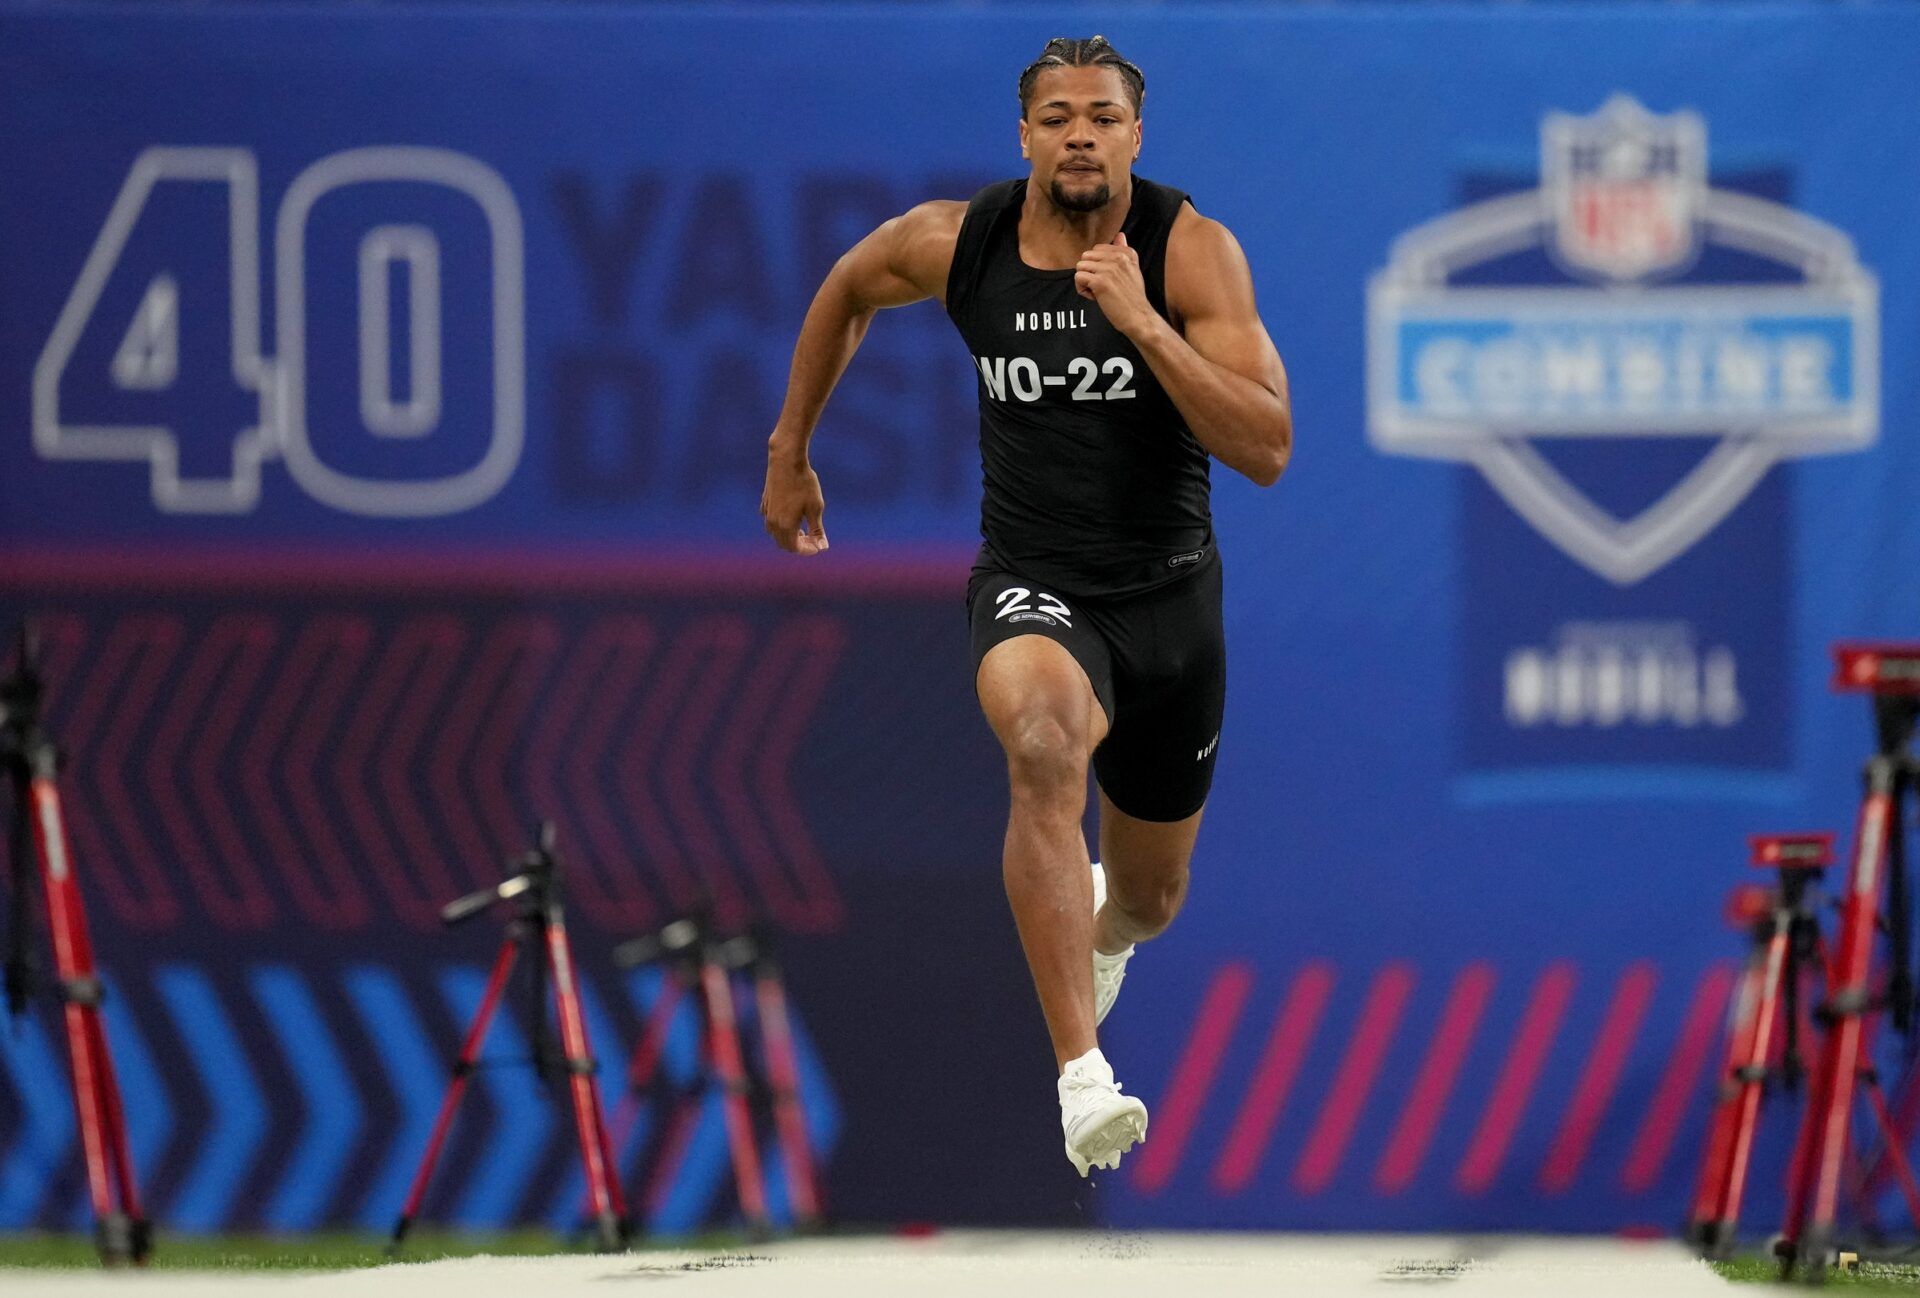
(1065, 52)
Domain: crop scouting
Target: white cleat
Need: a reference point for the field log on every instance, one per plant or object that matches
(1100, 1123)
(1108, 970)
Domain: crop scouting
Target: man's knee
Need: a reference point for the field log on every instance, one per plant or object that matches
(1149, 900)
(1044, 756)
(1042, 709)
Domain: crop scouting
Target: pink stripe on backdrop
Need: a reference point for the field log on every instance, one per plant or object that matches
(931, 571)
(1173, 1117)
(1293, 1030)
(1539, 1024)
(1353, 1082)
(1611, 1045)
(1433, 1085)
(1680, 1082)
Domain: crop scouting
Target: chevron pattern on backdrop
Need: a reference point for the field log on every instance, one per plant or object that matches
(269, 1098)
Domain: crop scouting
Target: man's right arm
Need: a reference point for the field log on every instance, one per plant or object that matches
(905, 260)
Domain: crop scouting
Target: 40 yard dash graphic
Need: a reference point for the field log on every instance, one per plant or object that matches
(389, 262)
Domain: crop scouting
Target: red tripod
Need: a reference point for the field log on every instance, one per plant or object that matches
(539, 925)
(1766, 1018)
(39, 834)
(1891, 675)
(698, 962)
(783, 1078)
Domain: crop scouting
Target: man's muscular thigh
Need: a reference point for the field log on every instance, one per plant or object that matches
(1039, 701)
(1041, 670)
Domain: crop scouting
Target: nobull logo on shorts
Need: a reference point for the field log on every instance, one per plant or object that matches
(1776, 357)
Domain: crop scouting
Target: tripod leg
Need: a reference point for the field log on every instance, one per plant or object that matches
(1905, 1111)
(643, 1068)
(1723, 1180)
(1709, 1200)
(140, 1234)
(1812, 1030)
(1895, 1155)
(1853, 1175)
(1848, 1000)
(776, 1046)
(612, 1164)
(724, 1044)
(1899, 913)
(671, 1152)
(102, 1136)
(110, 1227)
(589, 1121)
(1753, 1076)
(456, 1088)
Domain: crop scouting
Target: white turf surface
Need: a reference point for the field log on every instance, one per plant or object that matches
(1095, 1264)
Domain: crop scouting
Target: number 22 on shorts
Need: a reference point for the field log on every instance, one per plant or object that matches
(1014, 600)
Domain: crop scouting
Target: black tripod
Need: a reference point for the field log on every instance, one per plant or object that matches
(40, 858)
(539, 928)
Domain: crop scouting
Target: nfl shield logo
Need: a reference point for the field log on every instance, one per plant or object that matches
(1625, 188)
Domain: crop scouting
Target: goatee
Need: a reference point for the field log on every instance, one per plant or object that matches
(1091, 200)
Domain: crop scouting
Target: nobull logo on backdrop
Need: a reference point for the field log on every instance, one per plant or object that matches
(1623, 348)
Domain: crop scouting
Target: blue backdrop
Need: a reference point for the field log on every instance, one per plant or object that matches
(385, 395)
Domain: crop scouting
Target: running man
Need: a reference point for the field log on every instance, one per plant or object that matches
(1118, 347)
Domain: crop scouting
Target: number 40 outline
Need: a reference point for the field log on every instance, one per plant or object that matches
(281, 381)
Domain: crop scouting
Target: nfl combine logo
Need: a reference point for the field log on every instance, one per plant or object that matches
(1621, 349)
(1783, 365)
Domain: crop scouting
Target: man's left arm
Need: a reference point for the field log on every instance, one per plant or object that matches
(1224, 375)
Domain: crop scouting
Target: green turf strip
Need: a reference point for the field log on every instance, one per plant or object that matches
(330, 1252)
(1884, 1277)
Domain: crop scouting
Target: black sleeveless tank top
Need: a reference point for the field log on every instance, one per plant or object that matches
(1093, 484)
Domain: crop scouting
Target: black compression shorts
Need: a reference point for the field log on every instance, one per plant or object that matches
(1158, 664)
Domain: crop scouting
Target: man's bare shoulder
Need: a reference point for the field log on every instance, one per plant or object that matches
(1204, 261)
(923, 241)
(1202, 243)
(937, 216)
